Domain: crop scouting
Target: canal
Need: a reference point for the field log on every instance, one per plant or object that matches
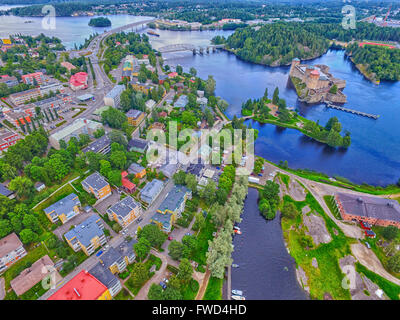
(266, 270)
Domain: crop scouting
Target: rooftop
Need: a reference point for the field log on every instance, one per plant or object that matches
(138, 143)
(75, 126)
(83, 286)
(64, 205)
(152, 188)
(133, 113)
(124, 207)
(163, 218)
(371, 207)
(135, 168)
(117, 90)
(104, 275)
(98, 145)
(87, 230)
(174, 198)
(9, 244)
(5, 191)
(96, 181)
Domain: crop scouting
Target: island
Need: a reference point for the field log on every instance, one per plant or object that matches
(100, 22)
(315, 84)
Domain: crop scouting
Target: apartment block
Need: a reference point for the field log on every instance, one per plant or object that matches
(64, 209)
(11, 250)
(125, 211)
(97, 185)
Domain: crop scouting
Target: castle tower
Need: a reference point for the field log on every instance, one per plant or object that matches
(295, 62)
(309, 69)
(312, 79)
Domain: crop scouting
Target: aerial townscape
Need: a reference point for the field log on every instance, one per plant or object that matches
(199, 150)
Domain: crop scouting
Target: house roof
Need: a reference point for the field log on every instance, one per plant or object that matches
(104, 275)
(64, 205)
(181, 102)
(98, 145)
(135, 168)
(124, 207)
(111, 256)
(163, 218)
(9, 244)
(5, 191)
(83, 286)
(87, 230)
(126, 182)
(370, 207)
(32, 275)
(138, 143)
(96, 181)
(116, 91)
(79, 79)
(174, 198)
(152, 188)
(133, 113)
(195, 168)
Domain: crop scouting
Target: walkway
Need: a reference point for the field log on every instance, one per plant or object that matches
(203, 286)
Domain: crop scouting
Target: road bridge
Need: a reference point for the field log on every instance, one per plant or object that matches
(190, 47)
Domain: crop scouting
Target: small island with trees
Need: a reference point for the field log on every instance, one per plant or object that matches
(100, 22)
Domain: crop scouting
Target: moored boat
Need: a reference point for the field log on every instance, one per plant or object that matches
(237, 292)
(236, 297)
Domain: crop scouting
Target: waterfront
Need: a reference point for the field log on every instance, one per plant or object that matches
(71, 30)
(373, 156)
(266, 270)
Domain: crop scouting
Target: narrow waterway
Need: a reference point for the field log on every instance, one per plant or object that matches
(266, 270)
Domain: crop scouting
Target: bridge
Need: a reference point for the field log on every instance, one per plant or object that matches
(359, 113)
(190, 47)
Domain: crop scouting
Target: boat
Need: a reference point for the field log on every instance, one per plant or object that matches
(28, 21)
(237, 292)
(234, 265)
(237, 231)
(236, 228)
(153, 33)
(235, 297)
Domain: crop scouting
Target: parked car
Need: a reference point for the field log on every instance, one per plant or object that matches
(188, 234)
(169, 238)
(163, 285)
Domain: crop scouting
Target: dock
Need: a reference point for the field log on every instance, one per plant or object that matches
(359, 113)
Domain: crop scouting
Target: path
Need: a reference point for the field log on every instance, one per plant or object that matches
(203, 286)
(368, 259)
(2, 289)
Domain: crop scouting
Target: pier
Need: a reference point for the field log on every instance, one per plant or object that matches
(359, 113)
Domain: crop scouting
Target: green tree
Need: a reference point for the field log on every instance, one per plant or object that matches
(185, 271)
(142, 248)
(28, 236)
(140, 274)
(390, 233)
(155, 292)
(175, 249)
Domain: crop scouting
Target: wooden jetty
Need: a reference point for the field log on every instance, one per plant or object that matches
(359, 113)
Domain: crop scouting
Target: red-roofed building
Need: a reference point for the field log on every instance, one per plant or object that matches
(172, 75)
(83, 286)
(69, 66)
(78, 81)
(127, 185)
(29, 78)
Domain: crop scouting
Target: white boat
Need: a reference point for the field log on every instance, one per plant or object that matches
(237, 292)
(235, 297)
(237, 231)
(236, 228)
(234, 265)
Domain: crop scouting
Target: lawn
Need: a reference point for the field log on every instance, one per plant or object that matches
(205, 234)
(123, 295)
(63, 192)
(330, 202)
(214, 289)
(189, 291)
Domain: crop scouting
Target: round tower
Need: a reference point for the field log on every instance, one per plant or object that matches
(295, 62)
(312, 79)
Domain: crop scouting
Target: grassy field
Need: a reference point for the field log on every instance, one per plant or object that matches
(205, 234)
(214, 289)
(123, 295)
(328, 276)
(330, 202)
(190, 290)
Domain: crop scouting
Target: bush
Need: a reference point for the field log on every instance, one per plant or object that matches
(390, 233)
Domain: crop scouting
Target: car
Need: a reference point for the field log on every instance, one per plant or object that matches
(163, 285)
(139, 219)
(188, 234)
(169, 238)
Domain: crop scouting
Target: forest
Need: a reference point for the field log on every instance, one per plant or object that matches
(100, 22)
(380, 62)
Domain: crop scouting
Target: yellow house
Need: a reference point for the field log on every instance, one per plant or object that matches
(125, 211)
(135, 117)
(87, 236)
(97, 185)
(142, 87)
(64, 209)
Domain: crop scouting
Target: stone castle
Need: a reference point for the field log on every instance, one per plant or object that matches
(315, 84)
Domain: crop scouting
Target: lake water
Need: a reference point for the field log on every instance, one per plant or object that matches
(70, 30)
(373, 157)
(266, 270)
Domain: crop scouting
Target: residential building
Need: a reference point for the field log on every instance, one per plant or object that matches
(9, 81)
(4, 191)
(142, 87)
(117, 259)
(135, 117)
(64, 209)
(196, 169)
(175, 201)
(79, 126)
(29, 277)
(163, 220)
(172, 75)
(20, 97)
(11, 250)
(150, 104)
(127, 185)
(138, 145)
(102, 145)
(78, 81)
(113, 98)
(373, 210)
(33, 78)
(158, 126)
(97, 185)
(17, 118)
(39, 186)
(87, 236)
(106, 277)
(50, 103)
(151, 191)
(69, 66)
(7, 139)
(83, 286)
(125, 211)
(137, 170)
(182, 101)
(52, 87)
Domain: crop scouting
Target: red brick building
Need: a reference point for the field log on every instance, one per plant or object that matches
(373, 210)
(29, 78)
